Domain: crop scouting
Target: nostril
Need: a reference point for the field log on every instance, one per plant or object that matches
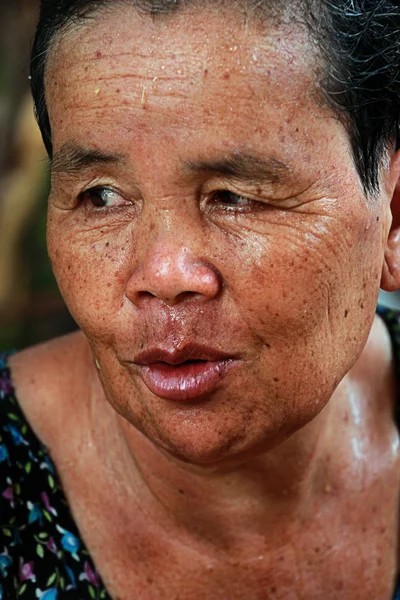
(173, 276)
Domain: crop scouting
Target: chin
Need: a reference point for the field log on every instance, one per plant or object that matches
(210, 441)
(227, 427)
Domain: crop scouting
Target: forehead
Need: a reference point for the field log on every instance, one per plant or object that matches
(130, 72)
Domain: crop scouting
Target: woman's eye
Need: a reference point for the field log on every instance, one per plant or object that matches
(231, 200)
(102, 197)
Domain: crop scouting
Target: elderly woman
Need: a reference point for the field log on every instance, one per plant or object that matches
(224, 208)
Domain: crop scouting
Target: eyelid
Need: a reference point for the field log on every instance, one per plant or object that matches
(271, 194)
(98, 190)
(251, 191)
(98, 185)
(127, 190)
(223, 201)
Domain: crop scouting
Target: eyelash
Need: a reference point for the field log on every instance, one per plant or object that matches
(220, 200)
(249, 205)
(98, 191)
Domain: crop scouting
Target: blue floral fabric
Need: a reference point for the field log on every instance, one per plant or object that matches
(42, 555)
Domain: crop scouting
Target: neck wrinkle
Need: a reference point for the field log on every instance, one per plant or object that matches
(262, 499)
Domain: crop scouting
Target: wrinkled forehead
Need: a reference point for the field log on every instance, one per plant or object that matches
(121, 70)
(199, 40)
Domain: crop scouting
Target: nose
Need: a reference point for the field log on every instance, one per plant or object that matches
(173, 274)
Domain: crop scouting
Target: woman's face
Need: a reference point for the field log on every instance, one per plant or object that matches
(205, 207)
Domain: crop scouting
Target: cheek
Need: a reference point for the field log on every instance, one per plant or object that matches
(284, 278)
(90, 268)
(283, 284)
(310, 283)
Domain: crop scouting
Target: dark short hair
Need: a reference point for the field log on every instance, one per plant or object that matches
(358, 42)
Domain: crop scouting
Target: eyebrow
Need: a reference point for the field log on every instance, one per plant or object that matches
(72, 158)
(244, 166)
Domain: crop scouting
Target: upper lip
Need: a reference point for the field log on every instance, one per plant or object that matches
(178, 356)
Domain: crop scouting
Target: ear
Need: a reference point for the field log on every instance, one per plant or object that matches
(390, 281)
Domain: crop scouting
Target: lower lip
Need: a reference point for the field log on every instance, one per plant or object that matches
(186, 382)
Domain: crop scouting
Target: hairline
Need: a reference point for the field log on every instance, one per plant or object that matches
(251, 10)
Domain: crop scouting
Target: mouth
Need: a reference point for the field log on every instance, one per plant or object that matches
(183, 375)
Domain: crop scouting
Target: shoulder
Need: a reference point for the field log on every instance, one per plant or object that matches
(38, 534)
(390, 320)
(375, 375)
(47, 378)
(377, 357)
(379, 352)
(46, 362)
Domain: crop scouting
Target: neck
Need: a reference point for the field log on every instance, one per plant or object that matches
(229, 505)
(272, 493)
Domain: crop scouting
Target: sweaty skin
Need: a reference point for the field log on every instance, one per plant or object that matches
(232, 216)
(276, 285)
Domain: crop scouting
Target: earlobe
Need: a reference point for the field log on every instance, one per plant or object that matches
(390, 281)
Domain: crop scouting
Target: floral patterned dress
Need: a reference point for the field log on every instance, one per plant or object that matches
(42, 554)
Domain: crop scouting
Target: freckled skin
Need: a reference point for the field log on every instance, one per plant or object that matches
(289, 286)
(246, 272)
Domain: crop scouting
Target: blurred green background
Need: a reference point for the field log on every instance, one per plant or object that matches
(31, 308)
